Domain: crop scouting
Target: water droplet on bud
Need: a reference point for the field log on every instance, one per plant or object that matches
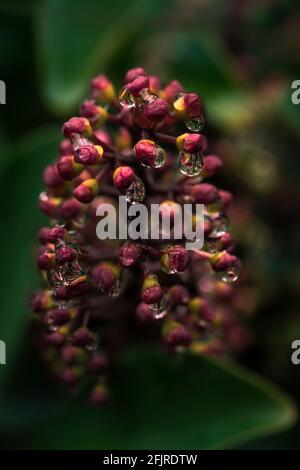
(93, 345)
(136, 192)
(232, 273)
(190, 164)
(160, 308)
(195, 125)
(219, 226)
(159, 159)
(115, 291)
(126, 99)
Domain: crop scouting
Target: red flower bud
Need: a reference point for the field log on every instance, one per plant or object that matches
(68, 168)
(123, 177)
(102, 88)
(191, 143)
(43, 235)
(152, 293)
(223, 261)
(69, 209)
(57, 233)
(212, 163)
(178, 337)
(205, 193)
(129, 254)
(77, 125)
(226, 197)
(83, 337)
(102, 137)
(175, 259)
(46, 260)
(156, 110)
(57, 317)
(144, 313)
(65, 147)
(87, 190)
(193, 105)
(41, 301)
(146, 152)
(179, 295)
(132, 74)
(65, 255)
(139, 84)
(49, 205)
(51, 177)
(98, 363)
(106, 276)
(89, 154)
(171, 90)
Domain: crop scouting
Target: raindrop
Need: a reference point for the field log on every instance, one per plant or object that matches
(232, 273)
(136, 192)
(126, 99)
(159, 308)
(190, 164)
(219, 226)
(93, 345)
(196, 124)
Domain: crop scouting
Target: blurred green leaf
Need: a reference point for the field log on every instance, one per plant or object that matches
(20, 187)
(75, 40)
(163, 402)
(203, 64)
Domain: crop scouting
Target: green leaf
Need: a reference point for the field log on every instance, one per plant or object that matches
(20, 187)
(202, 63)
(76, 40)
(165, 402)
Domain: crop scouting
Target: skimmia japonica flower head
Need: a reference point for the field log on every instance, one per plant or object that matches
(145, 144)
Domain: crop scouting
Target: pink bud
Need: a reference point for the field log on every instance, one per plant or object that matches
(224, 262)
(75, 125)
(152, 295)
(193, 143)
(172, 89)
(212, 163)
(156, 110)
(193, 105)
(129, 254)
(123, 177)
(205, 193)
(132, 74)
(65, 255)
(139, 84)
(65, 147)
(51, 177)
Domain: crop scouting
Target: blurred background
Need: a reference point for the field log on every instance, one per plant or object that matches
(241, 56)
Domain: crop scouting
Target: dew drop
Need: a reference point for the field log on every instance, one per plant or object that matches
(195, 125)
(136, 192)
(165, 262)
(93, 345)
(219, 226)
(159, 308)
(232, 273)
(126, 99)
(190, 164)
(159, 160)
(115, 291)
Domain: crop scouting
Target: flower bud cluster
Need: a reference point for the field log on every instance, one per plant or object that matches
(145, 143)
